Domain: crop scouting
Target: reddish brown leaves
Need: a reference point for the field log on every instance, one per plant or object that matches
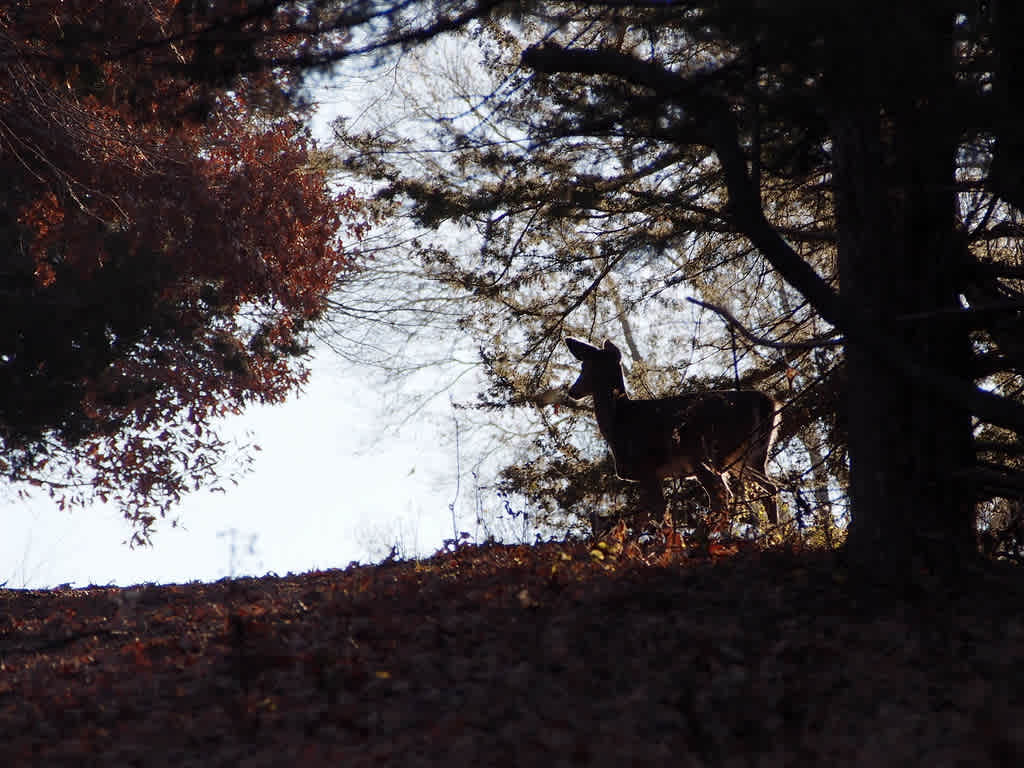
(167, 245)
(513, 655)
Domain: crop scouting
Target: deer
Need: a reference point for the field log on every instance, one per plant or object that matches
(707, 436)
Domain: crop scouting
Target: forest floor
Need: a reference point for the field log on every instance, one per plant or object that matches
(546, 655)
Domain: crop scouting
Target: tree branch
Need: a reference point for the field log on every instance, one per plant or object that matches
(713, 119)
(763, 341)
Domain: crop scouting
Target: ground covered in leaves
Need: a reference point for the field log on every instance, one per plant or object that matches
(543, 655)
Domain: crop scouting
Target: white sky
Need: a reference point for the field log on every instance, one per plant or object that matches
(321, 495)
(324, 491)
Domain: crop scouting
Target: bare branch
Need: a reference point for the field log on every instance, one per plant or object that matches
(763, 341)
(713, 119)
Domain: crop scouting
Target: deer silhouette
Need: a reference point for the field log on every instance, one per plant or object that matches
(708, 436)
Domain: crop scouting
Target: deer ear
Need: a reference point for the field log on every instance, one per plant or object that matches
(580, 349)
(612, 349)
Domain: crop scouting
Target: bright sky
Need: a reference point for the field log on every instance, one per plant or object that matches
(324, 492)
(321, 495)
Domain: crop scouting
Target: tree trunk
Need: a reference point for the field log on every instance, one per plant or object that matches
(900, 263)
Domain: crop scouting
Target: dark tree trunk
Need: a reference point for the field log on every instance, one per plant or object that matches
(900, 263)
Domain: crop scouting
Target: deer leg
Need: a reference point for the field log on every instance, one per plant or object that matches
(769, 493)
(599, 525)
(718, 492)
(652, 498)
(771, 507)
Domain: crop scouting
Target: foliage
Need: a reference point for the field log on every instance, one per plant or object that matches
(598, 231)
(166, 247)
(594, 164)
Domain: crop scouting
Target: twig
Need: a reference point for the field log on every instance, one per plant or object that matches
(458, 480)
(761, 340)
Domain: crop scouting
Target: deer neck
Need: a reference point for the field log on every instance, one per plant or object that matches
(607, 406)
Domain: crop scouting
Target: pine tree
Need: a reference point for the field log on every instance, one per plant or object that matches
(863, 155)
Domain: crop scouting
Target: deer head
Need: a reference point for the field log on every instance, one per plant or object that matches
(602, 369)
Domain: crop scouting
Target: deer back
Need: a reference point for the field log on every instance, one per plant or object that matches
(673, 436)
